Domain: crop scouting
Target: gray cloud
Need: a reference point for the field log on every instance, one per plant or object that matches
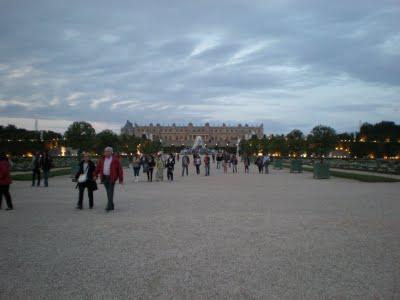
(285, 63)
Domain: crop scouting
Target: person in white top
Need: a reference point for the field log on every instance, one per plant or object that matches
(107, 164)
(110, 170)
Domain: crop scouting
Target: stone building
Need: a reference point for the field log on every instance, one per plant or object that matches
(186, 135)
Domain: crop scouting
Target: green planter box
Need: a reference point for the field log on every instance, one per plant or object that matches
(321, 170)
(277, 165)
(296, 165)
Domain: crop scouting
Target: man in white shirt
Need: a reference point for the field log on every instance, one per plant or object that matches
(107, 162)
(110, 170)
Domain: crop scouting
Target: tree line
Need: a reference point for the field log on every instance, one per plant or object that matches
(373, 140)
(378, 140)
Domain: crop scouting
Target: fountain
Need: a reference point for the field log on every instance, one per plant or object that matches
(198, 143)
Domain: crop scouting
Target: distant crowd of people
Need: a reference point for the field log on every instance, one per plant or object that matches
(109, 170)
(160, 162)
(41, 163)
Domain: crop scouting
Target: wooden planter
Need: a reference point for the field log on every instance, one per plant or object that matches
(321, 170)
(296, 166)
(277, 165)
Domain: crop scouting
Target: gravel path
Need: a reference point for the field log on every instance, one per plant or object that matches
(276, 236)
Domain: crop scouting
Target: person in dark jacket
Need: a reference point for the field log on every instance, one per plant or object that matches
(246, 163)
(46, 164)
(151, 164)
(234, 161)
(185, 164)
(86, 180)
(260, 164)
(36, 164)
(170, 164)
(207, 164)
(5, 181)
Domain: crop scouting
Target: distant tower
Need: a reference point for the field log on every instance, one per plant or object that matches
(36, 125)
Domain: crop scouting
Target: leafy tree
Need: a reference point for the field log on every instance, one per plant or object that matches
(249, 147)
(150, 147)
(296, 143)
(129, 143)
(80, 135)
(322, 140)
(264, 145)
(107, 138)
(278, 145)
(380, 132)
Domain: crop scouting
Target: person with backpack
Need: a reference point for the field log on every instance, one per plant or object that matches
(5, 181)
(185, 165)
(197, 163)
(85, 177)
(207, 164)
(35, 166)
(170, 164)
(47, 164)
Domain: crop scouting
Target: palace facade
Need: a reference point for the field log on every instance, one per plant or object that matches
(186, 135)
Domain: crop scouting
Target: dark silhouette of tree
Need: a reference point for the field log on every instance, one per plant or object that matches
(322, 140)
(296, 142)
(80, 135)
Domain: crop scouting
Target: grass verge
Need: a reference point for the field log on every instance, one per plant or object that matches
(354, 176)
(28, 176)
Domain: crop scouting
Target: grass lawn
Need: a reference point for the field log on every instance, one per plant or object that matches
(28, 176)
(355, 176)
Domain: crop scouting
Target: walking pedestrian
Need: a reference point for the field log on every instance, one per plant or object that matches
(136, 162)
(260, 164)
(110, 170)
(219, 159)
(5, 181)
(86, 180)
(266, 161)
(207, 164)
(35, 166)
(225, 165)
(151, 164)
(197, 163)
(234, 163)
(213, 157)
(185, 164)
(159, 164)
(47, 164)
(246, 163)
(170, 167)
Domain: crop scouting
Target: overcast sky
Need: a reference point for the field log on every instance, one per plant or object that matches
(286, 64)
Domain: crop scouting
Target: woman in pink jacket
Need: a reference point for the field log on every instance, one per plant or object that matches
(5, 181)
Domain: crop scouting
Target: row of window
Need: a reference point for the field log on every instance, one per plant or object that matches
(179, 138)
(180, 130)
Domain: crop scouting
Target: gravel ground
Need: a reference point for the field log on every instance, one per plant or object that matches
(235, 236)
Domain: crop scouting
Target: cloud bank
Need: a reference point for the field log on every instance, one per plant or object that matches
(287, 64)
